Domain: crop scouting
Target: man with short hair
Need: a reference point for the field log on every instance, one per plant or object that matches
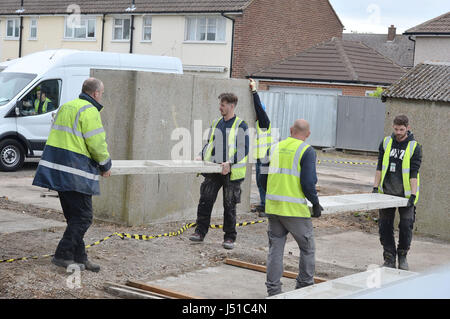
(74, 157)
(290, 181)
(228, 145)
(397, 174)
(42, 104)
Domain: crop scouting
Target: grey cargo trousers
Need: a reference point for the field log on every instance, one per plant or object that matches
(302, 231)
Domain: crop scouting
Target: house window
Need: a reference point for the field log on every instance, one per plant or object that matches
(147, 29)
(82, 29)
(12, 28)
(33, 29)
(121, 30)
(208, 29)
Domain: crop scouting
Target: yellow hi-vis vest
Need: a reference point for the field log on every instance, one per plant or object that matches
(238, 170)
(387, 144)
(75, 149)
(44, 106)
(284, 194)
(263, 141)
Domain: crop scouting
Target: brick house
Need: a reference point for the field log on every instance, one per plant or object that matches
(215, 37)
(333, 67)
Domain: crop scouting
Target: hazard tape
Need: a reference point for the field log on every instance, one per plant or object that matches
(138, 237)
(346, 162)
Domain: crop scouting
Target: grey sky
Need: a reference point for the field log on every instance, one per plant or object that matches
(375, 16)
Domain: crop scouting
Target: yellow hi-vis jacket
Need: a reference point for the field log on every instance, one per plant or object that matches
(263, 141)
(406, 166)
(284, 196)
(238, 170)
(44, 106)
(75, 151)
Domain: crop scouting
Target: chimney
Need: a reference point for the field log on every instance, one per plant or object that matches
(391, 33)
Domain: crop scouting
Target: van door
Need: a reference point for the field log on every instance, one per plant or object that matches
(38, 108)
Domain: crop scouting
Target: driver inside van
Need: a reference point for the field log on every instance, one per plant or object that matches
(42, 104)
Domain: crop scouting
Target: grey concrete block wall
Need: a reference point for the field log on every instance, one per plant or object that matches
(142, 109)
(430, 124)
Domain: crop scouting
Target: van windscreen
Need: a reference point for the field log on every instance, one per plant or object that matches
(12, 83)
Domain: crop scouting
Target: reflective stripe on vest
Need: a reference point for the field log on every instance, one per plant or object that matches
(263, 141)
(406, 162)
(238, 170)
(284, 194)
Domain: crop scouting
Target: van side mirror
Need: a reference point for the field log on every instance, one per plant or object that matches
(19, 106)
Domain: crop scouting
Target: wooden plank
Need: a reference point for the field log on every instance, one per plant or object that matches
(131, 292)
(160, 290)
(287, 274)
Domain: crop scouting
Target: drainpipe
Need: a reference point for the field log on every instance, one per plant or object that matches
(20, 11)
(414, 52)
(131, 9)
(232, 41)
(103, 31)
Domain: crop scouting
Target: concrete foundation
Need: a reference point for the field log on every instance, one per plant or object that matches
(429, 123)
(145, 117)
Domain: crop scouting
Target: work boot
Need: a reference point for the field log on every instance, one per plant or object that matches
(228, 244)
(91, 266)
(389, 260)
(196, 237)
(402, 262)
(66, 263)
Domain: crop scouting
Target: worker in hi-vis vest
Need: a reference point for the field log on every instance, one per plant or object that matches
(74, 157)
(263, 142)
(228, 145)
(289, 177)
(42, 103)
(397, 174)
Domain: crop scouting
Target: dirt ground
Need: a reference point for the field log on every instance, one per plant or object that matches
(131, 259)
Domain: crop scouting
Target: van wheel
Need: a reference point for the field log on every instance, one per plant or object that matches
(12, 155)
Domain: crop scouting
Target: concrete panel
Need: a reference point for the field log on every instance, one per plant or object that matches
(142, 112)
(429, 123)
(131, 167)
(12, 222)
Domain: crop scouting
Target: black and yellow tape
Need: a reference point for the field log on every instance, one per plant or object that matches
(346, 162)
(138, 237)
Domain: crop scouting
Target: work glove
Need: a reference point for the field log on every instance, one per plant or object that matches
(252, 85)
(375, 190)
(317, 210)
(411, 201)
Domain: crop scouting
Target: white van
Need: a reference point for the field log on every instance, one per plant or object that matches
(53, 77)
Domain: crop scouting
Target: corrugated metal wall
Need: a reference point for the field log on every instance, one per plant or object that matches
(319, 110)
(346, 122)
(360, 123)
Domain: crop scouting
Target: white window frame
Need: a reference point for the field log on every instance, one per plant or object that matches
(33, 27)
(218, 38)
(16, 25)
(144, 27)
(85, 20)
(114, 27)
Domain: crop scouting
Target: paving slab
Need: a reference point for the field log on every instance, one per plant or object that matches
(222, 282)
(343, 287)
(16, 222)
(358, 250)
(142, 167)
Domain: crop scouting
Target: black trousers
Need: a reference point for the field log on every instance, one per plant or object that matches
(208, 195)
(77, 208)
(386, 228)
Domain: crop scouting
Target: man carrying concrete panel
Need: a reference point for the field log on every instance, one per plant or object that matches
(228, 145)
(75, 155)
(397, 174)
(290, 181)
(263, 143)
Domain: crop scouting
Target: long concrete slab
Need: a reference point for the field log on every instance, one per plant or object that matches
(359, 202)
(346, 286)
(142, 167)
(14, 222)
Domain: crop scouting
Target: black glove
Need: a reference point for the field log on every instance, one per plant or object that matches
(411, 201)
(317, 210)
(375, 190)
